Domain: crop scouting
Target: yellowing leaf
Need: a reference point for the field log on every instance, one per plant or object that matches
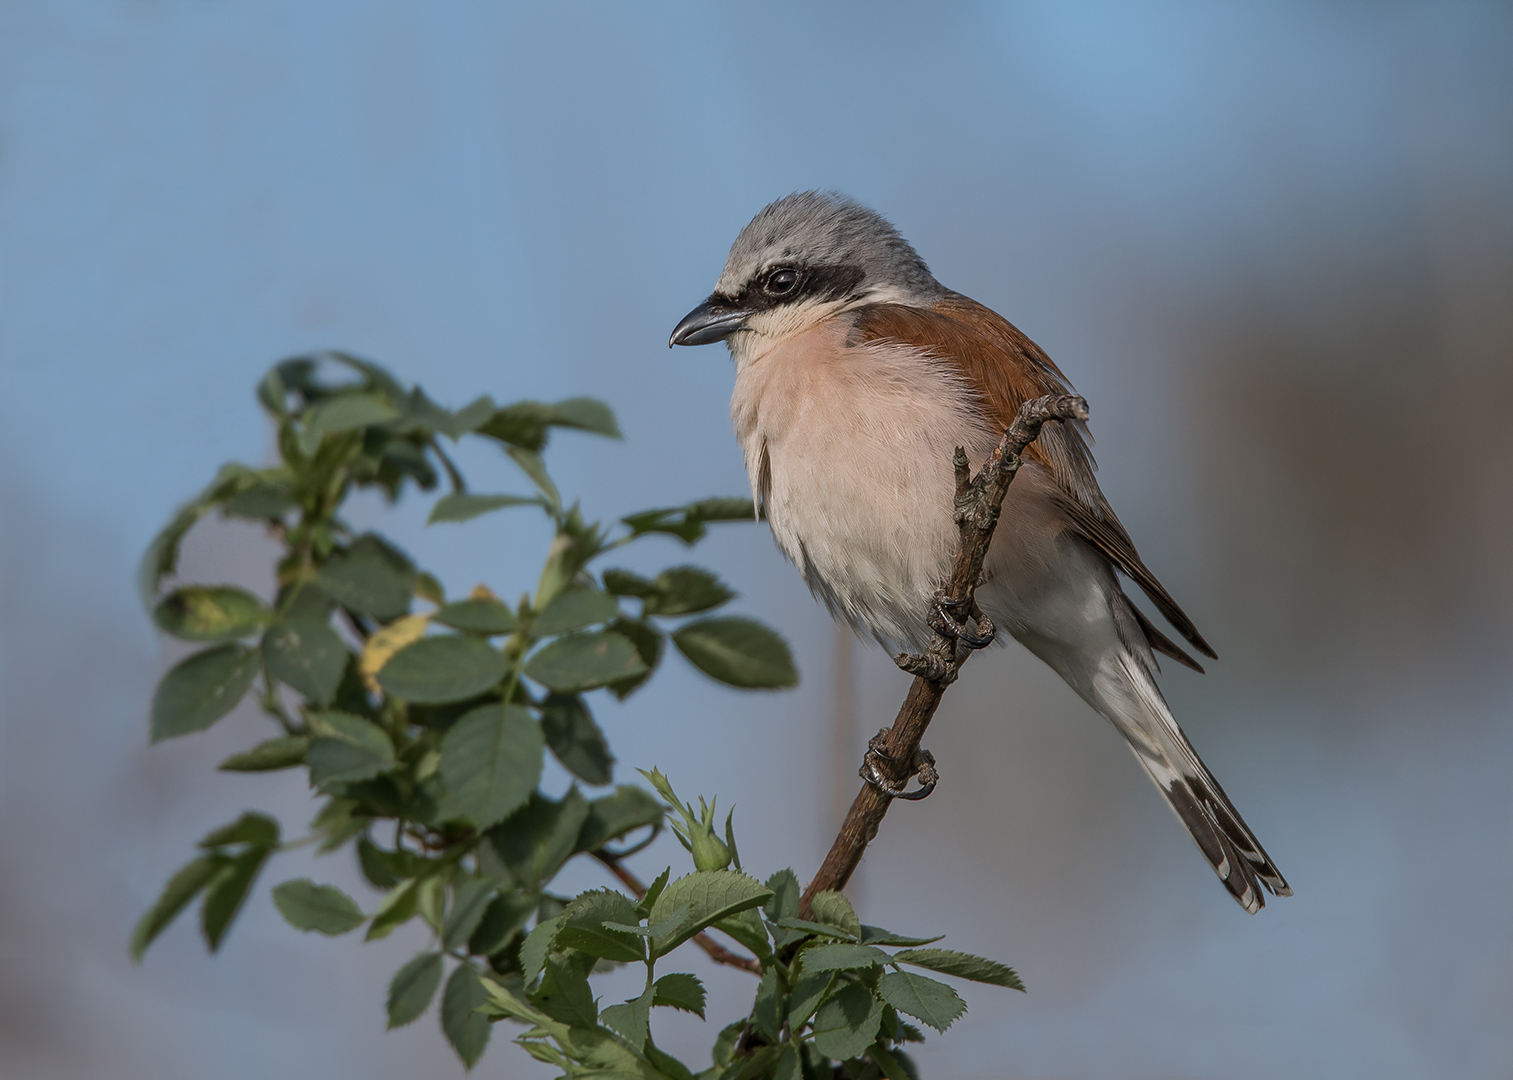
(384, 644)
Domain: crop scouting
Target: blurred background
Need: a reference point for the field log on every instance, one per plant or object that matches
(1272, 244)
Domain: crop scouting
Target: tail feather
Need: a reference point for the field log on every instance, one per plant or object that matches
(1231, 849)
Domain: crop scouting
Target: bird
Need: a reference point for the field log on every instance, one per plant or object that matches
(857, 375)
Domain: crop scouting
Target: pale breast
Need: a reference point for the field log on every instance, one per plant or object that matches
(850, 450)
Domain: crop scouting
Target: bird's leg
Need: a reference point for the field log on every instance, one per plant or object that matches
(923, 766)
(944, 623)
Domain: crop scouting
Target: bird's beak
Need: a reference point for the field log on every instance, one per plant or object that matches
(713, 320)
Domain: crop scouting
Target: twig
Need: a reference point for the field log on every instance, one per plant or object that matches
(717, 952)
(895, 753)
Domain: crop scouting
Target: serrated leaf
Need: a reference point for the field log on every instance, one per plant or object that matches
(962, 965)
(283, 752)
(680, 991)
(846, 1024)
(395, 909)
(470, 417)
(770, 1005)
(748, 929)
(465, 1028)
(789, 1066)
(505, 914)
(347, 748)
(804, 927)
(491, 761)
(371, 577)
(841, 956)
(531, 464)
(412, 988)
(183, 887)
(686, 590)
(448, 667)
(785, 895)
(210, 613)
(708, 896)
(585, 414)
(931, 1002)
(808, 991)
(253, 828)
(478, 615)
(574, 609)
(833, 909)
(581, 926)
(469, 902)
(576, 740)
(324, 908)
(584, 661)
(201, 689)
(306, 654)
(737, 651)
(630, 1019)
(227, 892)
(627, 583)
(565, 995)
(648, 642)
(876, 935)
(534, 950)
(463, 507)
(892, 1067)
(267, 500)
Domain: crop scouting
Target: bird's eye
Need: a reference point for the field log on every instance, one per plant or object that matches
(782, 281)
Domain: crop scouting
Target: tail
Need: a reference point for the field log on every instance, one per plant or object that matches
(1142, 716)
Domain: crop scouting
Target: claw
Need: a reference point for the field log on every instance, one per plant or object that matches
(946, 625)
(924, 767)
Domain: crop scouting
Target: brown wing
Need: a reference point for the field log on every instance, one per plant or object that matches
(1008, 369)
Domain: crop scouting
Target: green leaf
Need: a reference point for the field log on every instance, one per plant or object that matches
(210, 613)
(808, 991)
(534, 950)
(630, 1019)
(305, 653)
(805, 928)
(346, 412)
(459, 507)
(876, 935)
(585, 414)
(680, 991)
(613, 816)
(833, 909)
(738, 651)
(283, 752)
(962, 965)
(841, 956)
(892, 1067)
(347, 748)
(926, 1000)
(768, 1008)
(436, 670)
(575, 738)
(162, 556)
(267, 500)
(703, 897)
(686, 590)
(395, 909)
(627, 583)
(227, 892)
(525, 423)
(479, 615)
(687, 523)
(505, 914)
(748, 929)
(648, 642)
(469, 902)
(584, 661)
(573, 609)
(183, 887)
(565, 995)
(372, 578)
(539, 837)
(466, 1029)
(201, 689)
(251, 828)
(581, 926)
(785, 895)
(412, 988)
(491, 761)
(470, 417)
(789, 1067)
(533, 467)
(847, 1023)
(323, 908)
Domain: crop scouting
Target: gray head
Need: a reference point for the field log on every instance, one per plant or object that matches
(803, 258)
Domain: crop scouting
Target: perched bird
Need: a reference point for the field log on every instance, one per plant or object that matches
(857, 376)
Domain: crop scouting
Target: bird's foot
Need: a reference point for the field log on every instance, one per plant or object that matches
(944, 623)
(923, 766)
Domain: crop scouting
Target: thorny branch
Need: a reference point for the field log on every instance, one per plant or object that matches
(894, 755)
